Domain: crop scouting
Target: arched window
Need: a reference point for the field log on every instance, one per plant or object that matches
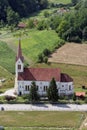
(37, 88)
(45, 88)
(26, 88)
(19, 67)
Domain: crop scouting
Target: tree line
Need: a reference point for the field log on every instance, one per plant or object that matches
(19, 8)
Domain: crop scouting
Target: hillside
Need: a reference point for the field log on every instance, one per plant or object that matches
(7, 57)
(70, 53)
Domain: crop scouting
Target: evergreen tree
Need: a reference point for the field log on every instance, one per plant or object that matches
(12, 17)
(33, 96)
(52, 91)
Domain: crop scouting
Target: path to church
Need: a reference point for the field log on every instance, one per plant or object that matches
(43, 107)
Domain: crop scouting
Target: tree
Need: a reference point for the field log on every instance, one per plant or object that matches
(12, 17)
(74, 97)
(52, 91)
(74, 2)
(33, 96)
(85, 33)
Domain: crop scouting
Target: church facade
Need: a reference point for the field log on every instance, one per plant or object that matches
(41, 76)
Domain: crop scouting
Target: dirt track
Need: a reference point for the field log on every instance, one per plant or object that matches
(70, 53)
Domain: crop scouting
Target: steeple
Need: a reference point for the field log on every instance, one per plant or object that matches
(19, 54)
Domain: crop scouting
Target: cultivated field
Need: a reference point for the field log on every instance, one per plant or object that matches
(70, 53)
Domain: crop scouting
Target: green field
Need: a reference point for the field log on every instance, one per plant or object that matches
(37, 41)
(7, 57)
(60, 1)
(18, 128)
(41, 119)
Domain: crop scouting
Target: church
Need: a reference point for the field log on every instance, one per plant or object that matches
(41, 76)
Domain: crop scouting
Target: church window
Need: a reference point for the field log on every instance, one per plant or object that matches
(26, 88)
(19, 67)
(37, 88)
(69, 87)
(45, 88)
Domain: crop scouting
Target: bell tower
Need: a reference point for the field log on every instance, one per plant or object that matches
(19, 67)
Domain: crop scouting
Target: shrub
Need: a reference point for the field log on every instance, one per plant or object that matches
(46, 14)
(83, 87)
(40, 58)
(46, 52)
(74, 97)
(45, 59)
(8, 98)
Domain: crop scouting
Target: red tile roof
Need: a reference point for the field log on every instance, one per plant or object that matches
(40, 74)
(66, 78)
(78, 94)
(19, 55)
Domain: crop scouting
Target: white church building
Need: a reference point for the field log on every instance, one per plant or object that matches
(41, 76)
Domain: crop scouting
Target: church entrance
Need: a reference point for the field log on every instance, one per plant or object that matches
(20, 93)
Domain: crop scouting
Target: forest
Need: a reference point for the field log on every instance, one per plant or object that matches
(20, 8)
(70, 26)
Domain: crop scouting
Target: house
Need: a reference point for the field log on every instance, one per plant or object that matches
(80, 95)
(41, 76)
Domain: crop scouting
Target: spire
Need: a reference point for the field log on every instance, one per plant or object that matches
(19, 54)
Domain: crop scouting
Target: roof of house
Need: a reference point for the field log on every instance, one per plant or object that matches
(40, 74)
(21, 25)
(19, 54)
(78, 94)
(66, 78)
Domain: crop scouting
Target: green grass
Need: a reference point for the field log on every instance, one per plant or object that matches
(37, 41)
(60, 1)
(18, 128)
(40, 119)
(7, 57)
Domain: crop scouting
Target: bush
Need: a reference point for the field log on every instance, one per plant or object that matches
(8, 98)
(45, 59)
(40, 58)
(46, 52)
(85, 100)
(74, 97)
(83, 87)
(46, 14)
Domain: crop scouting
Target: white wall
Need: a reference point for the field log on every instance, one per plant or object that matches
(63, 88)
(40, 84)
(19, 62)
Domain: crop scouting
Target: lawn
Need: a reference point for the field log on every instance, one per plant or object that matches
(60, 1)
(18, 128)
(41, 119)
(7, 57)
(37, 41)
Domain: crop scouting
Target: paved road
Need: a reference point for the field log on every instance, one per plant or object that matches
(9, 92)
(43, 107)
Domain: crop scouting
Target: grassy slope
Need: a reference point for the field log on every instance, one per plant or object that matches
(37, 41)
(48, 119)
(7, 57)
(60, 1)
